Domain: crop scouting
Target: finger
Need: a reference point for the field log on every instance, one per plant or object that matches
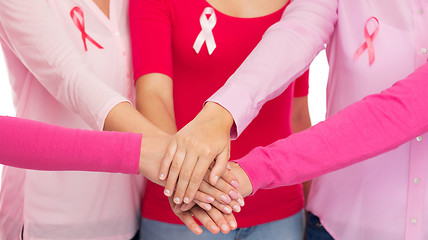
(203, 197)
(167, 159)
(218, 194)
(174, 170)
(230, 178)
(183, 181)
(197, 176)
(205, 206)
(220, 165)
(233, 193)
(220, 220)
(223, 207)
(187, 206)
(185, 217)
(230, 218)
(205, 219)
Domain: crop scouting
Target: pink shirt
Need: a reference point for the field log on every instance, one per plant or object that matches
(55, 80)
(384, 197)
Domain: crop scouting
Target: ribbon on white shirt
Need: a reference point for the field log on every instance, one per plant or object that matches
(206, 34)
(77, 15)
(368, 44)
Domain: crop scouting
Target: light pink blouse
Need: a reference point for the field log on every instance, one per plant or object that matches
(385, 197)
(55, 80)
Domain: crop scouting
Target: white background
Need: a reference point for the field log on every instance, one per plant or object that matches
(317, 84)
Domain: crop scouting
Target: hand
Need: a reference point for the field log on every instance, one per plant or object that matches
(245, 187)
(213, 220)
(194, 147)
(152, 152)
(227, 199)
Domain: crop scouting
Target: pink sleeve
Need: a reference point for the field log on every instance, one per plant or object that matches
(35, 145)
(284, 53)
(374, 125)
(30, 29)
(150, 27)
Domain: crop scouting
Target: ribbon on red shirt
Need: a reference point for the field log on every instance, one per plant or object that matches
(77, 15)
(368, 44)
(206, 34)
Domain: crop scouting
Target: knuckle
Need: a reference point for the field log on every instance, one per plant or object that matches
(184, 175)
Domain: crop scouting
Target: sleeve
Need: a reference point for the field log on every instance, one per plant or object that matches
(150, 26)
(35, 145)
(301, 85)
(374, 125)
(284, 53)
(31, 30)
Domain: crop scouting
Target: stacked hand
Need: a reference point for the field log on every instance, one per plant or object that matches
(193, 171)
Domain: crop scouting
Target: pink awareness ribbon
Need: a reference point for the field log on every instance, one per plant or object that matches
(206, 34)
(77, 15)
(368, 44)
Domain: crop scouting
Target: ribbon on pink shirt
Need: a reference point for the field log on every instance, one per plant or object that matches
(77, 15)
(206, 34)
(368, 44)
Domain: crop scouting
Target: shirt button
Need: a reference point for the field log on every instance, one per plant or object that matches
(423, 50)
(421, 11)
(413, 220)
(124, 54)
(117, 33)
(416, 180)
(419, 138)
(128, 75)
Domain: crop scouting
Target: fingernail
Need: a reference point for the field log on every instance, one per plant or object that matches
(207, 206)
(214, 228)
(167, 193)
(162, 177)
(198, 230)
(215, 179)
(177, 200)
(228, 166)
(186, 200)
(241, 202)
(224, 228)
(234, 184)
(233, 224)
(227, 209)
(233, 195)
(225, 199)
(237, 208)
(210, 199)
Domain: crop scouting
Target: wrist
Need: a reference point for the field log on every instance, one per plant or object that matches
(216, 112)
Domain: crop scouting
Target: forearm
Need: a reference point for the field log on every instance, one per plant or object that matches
(374, 125)
(300, 119)
(155, 101)
(35, 145)
(125, 118)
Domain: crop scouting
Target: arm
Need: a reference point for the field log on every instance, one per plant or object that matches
(35, 145)
(374, 125)
(284, 53)
(33, 33)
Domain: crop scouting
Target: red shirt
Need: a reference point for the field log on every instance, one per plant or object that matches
(163, 33)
